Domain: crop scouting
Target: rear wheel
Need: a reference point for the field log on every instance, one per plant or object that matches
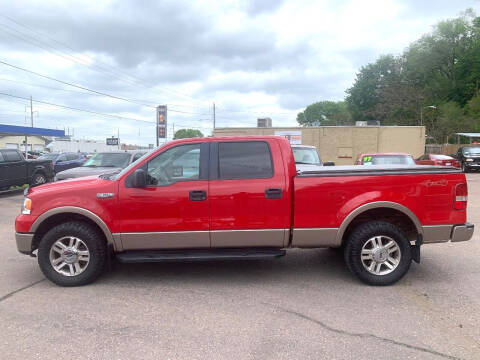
(378, 253)
(72, 254)
(38, 179)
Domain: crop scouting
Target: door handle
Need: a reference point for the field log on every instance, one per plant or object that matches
(273, 193)
(197, 195)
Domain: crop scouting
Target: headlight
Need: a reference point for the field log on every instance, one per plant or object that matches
(469, 160)
(26, 206)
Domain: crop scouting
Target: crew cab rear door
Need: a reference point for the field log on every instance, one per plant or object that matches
(248, 202)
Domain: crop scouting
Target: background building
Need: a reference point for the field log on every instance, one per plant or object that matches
(342, 144)
(35, 143)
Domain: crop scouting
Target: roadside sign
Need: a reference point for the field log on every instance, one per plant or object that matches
(295, 137)
(112, 141)
(162, 122)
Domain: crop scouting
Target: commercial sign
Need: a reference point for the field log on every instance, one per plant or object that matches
(112, 141)
(295, 137)
(162, 122)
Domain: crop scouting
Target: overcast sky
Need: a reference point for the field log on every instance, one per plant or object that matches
(252, 58)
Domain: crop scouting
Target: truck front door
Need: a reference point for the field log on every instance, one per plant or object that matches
(248, 202)
(172, 211)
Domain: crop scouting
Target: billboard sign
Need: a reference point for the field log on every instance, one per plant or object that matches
(112, 141)
(162, 122)
(295, 137)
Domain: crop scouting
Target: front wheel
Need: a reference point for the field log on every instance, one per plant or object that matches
(378, 253)
(465, 168)
(72, 254)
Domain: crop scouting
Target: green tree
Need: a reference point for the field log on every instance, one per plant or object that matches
(187, 133)
(327, 113)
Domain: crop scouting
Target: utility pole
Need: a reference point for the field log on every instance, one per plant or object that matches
(173, 123)
(118, 138)
(213, 117)
(31, 124)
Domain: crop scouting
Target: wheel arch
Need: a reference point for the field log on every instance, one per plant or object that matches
(67, 213)
(387, 208)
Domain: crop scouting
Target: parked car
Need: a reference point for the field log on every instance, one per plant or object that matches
(437, 159)
(16, 171)
(241, 198)
(102, 163)
(385, 159)
(64, 161)
(307, 158)
(469, 157)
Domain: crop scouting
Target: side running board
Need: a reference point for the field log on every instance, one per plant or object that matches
(194, 255)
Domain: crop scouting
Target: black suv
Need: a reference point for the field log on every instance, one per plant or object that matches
(469, 157)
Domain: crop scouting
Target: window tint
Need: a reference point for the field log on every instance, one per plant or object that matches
(1, 157)
(180, 163)
(244, 160)
(72, 156)
(62, 157)
(12, 156)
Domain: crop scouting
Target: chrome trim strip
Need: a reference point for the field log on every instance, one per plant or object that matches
(315, 238)
(375, 205)
(462, 232)
(75, 210)
(165, 240)
(436, 233)
(380, 170)
(24, 242)
(249, 238)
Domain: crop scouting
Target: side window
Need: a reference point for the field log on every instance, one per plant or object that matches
(61, 158)
(1, 158)
(11, 156)
(244, 160)
(180, 163)
(72, 156)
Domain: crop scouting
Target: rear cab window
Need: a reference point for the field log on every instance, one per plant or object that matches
(244, 160)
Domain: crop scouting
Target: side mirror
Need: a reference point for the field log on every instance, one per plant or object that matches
(329, 163)
(139, 178)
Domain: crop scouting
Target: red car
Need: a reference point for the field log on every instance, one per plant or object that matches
(437, 159)
(385, 159)
(237, 198)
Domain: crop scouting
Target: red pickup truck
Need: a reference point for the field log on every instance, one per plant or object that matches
(230, 198)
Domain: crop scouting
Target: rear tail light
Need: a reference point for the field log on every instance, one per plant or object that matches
(461, 197)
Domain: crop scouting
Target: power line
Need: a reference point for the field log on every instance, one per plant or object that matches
(77, 109)
(115, 72)
(93, 91)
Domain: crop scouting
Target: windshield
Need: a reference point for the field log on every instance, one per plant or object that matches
(130, 166)
(119, 160)
(471, 150)
(48, 156)
(304, 155)
(388, 160)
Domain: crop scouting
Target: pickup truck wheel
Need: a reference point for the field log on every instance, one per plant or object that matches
(72, 254)
(38, 179)
(378, 253)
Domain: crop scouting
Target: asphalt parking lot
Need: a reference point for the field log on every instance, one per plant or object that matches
(305, 305)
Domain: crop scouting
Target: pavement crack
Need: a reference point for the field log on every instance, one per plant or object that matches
(360, 335)
(5, 297)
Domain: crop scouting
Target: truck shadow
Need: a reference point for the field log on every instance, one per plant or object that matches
(301, 265)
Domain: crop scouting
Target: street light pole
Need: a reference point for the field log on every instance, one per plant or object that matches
(421, 112)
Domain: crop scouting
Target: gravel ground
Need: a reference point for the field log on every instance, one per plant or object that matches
(305, 305)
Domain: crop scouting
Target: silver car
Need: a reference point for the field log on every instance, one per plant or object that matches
(102, 163)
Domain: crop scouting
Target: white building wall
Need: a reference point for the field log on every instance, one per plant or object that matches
(73, 145)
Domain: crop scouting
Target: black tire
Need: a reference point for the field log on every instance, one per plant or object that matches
(465, 169)
(38, 179)
(360, 236)
(94, 242)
